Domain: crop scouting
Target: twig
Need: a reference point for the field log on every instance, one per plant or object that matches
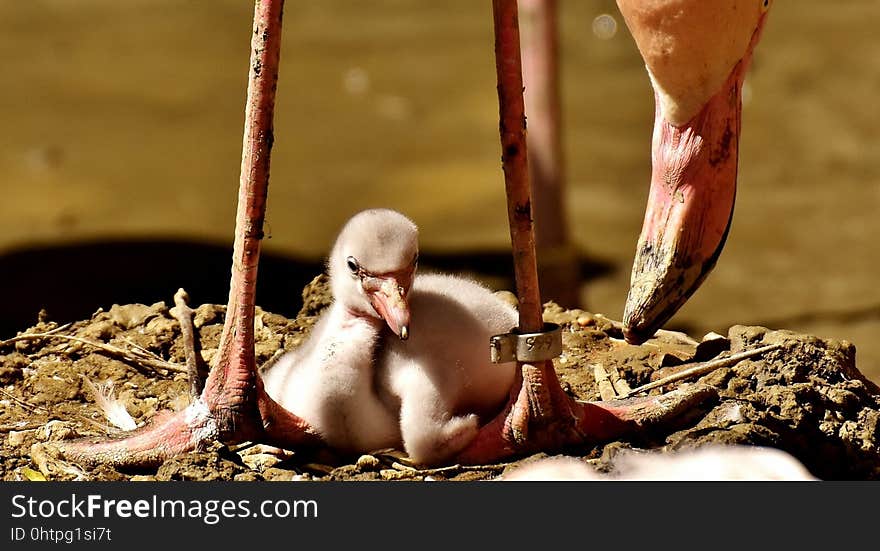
(611, 384)
(138, 349)
(30, 407)
(131, 355)
(18, 427)
(603, 381)
(238, 448)
(142, 353)
(30, 336)
(703, 368)
(620, 384)
(399, 461)
(184, 316)
(456, 468)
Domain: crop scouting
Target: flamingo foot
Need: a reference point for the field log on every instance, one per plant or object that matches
(167, 435)
(232, 407)
(540, 416)
(191, 429)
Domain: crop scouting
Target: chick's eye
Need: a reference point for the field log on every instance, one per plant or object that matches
(352, 264)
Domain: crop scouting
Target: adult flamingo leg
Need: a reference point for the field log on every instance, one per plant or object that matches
(233, 407)
(539, 415)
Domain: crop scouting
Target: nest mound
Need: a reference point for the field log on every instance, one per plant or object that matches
(805, 396)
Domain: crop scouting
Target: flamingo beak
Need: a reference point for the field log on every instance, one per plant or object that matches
(690, 208)
(388, 295)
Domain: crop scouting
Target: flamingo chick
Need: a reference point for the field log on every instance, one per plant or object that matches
(712, 462)
(398, 359)
(696, 53)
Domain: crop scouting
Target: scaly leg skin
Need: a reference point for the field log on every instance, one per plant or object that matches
(540, 417)
(233, 407)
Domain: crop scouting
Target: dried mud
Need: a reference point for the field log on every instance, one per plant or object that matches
(806, 397)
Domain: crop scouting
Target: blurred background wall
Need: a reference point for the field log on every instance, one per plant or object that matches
(121, 136)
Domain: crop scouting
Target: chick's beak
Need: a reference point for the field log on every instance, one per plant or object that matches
(388, 297)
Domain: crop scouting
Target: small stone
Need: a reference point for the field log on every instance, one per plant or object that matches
(159, 325)
(208, 355)
(671, 360)
(394, 474)
(744, 336)
(143, 478)
(368, 463)
(12, 367)
(848, 431)
(843, 398)
(16, 438)
(130, 315)
(728, 413)
(55, 430)
(97, 331)
(260, 461)
(508, 297)
(711, 346)
(343, 472)
(828, 428)
(586, 321)
(283, 475)
(717, 378)
(206, 314)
